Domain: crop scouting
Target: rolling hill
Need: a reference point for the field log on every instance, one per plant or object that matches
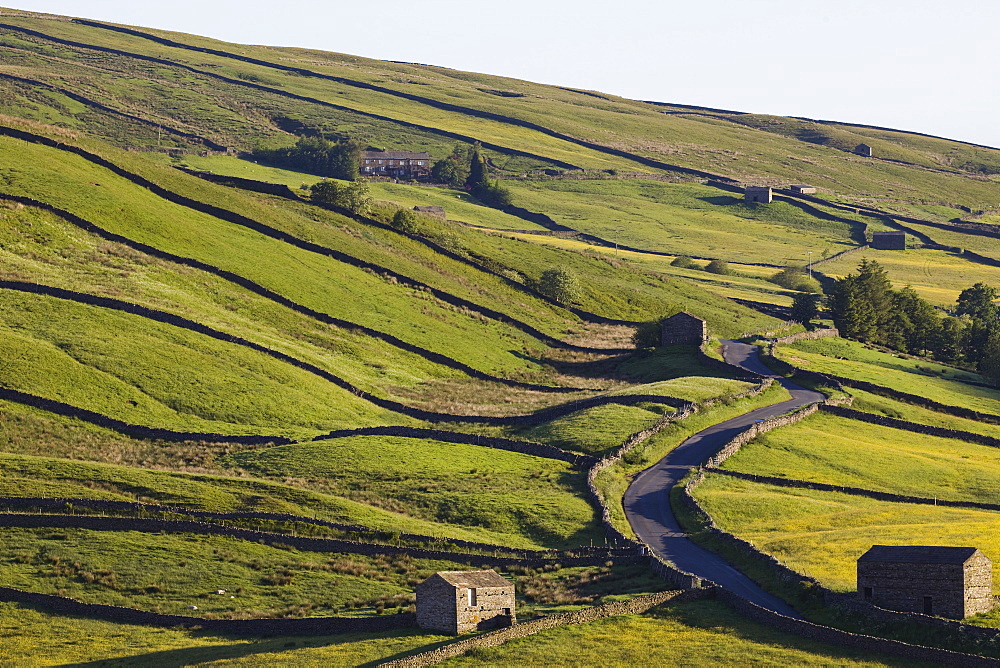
(188, 336)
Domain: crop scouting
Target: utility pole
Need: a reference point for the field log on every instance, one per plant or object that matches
(810, 265)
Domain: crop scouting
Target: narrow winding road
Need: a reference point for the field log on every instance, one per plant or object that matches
(647, 500)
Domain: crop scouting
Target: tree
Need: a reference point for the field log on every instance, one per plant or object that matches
(718, 267)
(453, 170)
(406, 221)
(479, 185)
(316, 155)
(795, 278)
(355, 197)
(684, 262)
(561, 284)
(477, 170)
(977, 302)
(805, 307)
(344, 160)
(989, 363)
(946, 341)
(861, 304)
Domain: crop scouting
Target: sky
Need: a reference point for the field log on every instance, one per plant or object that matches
(918, 65)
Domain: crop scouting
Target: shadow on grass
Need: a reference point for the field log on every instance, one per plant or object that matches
(253, 646)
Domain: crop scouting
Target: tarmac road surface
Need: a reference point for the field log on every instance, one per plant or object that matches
(647, 500)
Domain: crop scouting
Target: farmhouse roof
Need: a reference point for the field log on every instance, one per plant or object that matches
(397, 155)
(919, 554)
(473, 578)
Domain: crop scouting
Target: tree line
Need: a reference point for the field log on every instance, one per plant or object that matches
(316, 155)
(865, 307)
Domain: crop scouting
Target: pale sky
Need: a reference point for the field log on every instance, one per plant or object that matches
(920, 65)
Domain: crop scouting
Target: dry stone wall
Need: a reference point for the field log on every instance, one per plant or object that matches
(633, 606)
(70, 506)
(857, 641)
(806, 336)
(906, 425)
(332, 545)
(856, 491)
(257, 289)
(269, 627)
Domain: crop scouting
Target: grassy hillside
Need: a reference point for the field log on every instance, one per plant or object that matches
(169, 340)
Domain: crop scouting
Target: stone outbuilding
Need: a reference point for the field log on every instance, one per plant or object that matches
(889, 240)
(950, 582)
(864, 150)
(758, 194)
(463, 601)
(683, 329)
(802, 189)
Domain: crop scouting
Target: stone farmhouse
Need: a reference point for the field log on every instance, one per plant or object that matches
(463, 601)
(683, 329)
(889, 240)
(864, 150)
(758, 194)
(395, 164)
(950, 582)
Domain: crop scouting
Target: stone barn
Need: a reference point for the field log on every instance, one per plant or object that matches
(802, 189)
(463, 601)
(758, 194)
(889, 240)
(950, 582)
(864, 150)
(683, 329)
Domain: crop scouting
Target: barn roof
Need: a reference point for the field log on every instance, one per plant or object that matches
(919, 554)
(473, 578)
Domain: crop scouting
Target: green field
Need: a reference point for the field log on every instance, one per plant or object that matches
(597, 430)
(677, 634)
(822, 534)
(170, 572)
(426, 318)
(873, 403)
(686, 219)
(839, 451)
(506, 492)
(937, 276)
(851, 359)
(145, 372)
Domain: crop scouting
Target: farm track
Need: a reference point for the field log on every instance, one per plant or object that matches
(279, 235)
